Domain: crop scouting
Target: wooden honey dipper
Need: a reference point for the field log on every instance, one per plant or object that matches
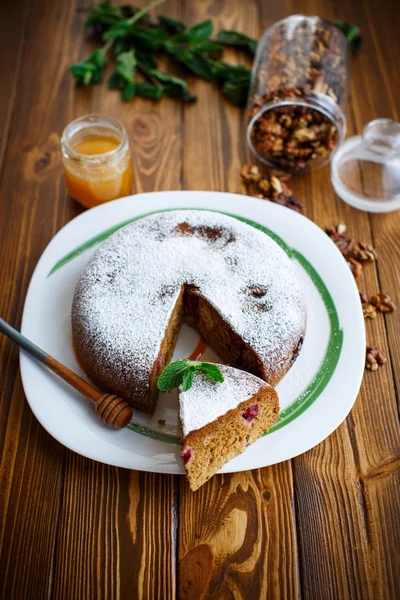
(112, 410)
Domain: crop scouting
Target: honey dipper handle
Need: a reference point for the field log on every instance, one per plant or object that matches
(112, 410)
(73, 379)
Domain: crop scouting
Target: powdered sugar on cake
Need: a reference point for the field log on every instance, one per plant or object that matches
(206, 400)
(128, 292)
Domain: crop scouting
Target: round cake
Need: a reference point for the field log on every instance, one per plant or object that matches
(230, 281)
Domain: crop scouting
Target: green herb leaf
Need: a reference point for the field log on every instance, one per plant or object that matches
(119, 30)
(188, 378)
(173, 86)
(200, 32)
(236, 85)
(172, 375)
(149, 90)
(126, 65)
(146, 61)
(237, 40)
(208, 47)
(90, 70)
(103, 15)
(120, 45)
(212, 371)
(193, 37)
(194, 63)
(147, 40)
(135, 38)
(181, 372)
(123, 77)
(171, 25)
(352, 33)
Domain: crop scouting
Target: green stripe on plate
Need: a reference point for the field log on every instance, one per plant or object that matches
(332, 353)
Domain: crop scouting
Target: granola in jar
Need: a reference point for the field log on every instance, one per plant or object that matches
(298, 90)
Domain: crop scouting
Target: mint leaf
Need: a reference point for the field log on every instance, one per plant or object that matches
(237, 40)
(123, 78)
(212, 371)
(173, 86)
(118, 31)
(172, 26)
(91, 69)
(172, 375)
(181, 372)
(188, 378)
(352, 33)
(149, 90)
(126, 65)
(200, 32)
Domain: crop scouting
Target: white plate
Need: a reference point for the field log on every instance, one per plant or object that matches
(315, 396)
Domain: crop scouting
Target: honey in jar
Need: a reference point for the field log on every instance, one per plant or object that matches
(97, 160)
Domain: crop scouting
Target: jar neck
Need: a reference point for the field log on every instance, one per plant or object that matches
(93, 126)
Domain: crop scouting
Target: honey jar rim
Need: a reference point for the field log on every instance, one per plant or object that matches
(86, 122)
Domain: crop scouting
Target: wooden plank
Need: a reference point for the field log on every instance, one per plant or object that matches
(384, 41)
(31, 461)
(121, 543)
(237, 534)
(11, 47)
(114, 530)
(341, 486)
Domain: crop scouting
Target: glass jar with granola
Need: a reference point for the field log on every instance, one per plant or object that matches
(298, 93)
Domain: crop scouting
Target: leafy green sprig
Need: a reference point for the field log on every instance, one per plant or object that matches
(181, 373)
(136, 39)
(352, 33)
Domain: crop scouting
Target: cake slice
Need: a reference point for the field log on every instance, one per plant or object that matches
(219, 420)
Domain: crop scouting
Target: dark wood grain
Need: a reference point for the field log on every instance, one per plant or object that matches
(237, 537)
(31, 467)
(115, 533)
(12, 42)
(338, 505)
(325, 525)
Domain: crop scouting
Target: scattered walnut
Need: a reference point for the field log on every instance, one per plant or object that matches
(383, 303)
(289, 202)
(369, 311)
(360, 252)
(363, 298)
(342, 239)
(250, 173)
(344, 242)
(273, 187)
(355, 267)
(374, 358)
(276, 184)
(364, 252)
(264, 185)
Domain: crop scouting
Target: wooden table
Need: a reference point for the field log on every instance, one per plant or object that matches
(323, 525)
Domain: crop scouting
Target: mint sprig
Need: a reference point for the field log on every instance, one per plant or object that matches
(181, 373)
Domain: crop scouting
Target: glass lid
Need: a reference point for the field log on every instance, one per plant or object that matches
(365, 170)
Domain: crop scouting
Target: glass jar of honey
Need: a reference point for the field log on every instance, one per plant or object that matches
(97, 160)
